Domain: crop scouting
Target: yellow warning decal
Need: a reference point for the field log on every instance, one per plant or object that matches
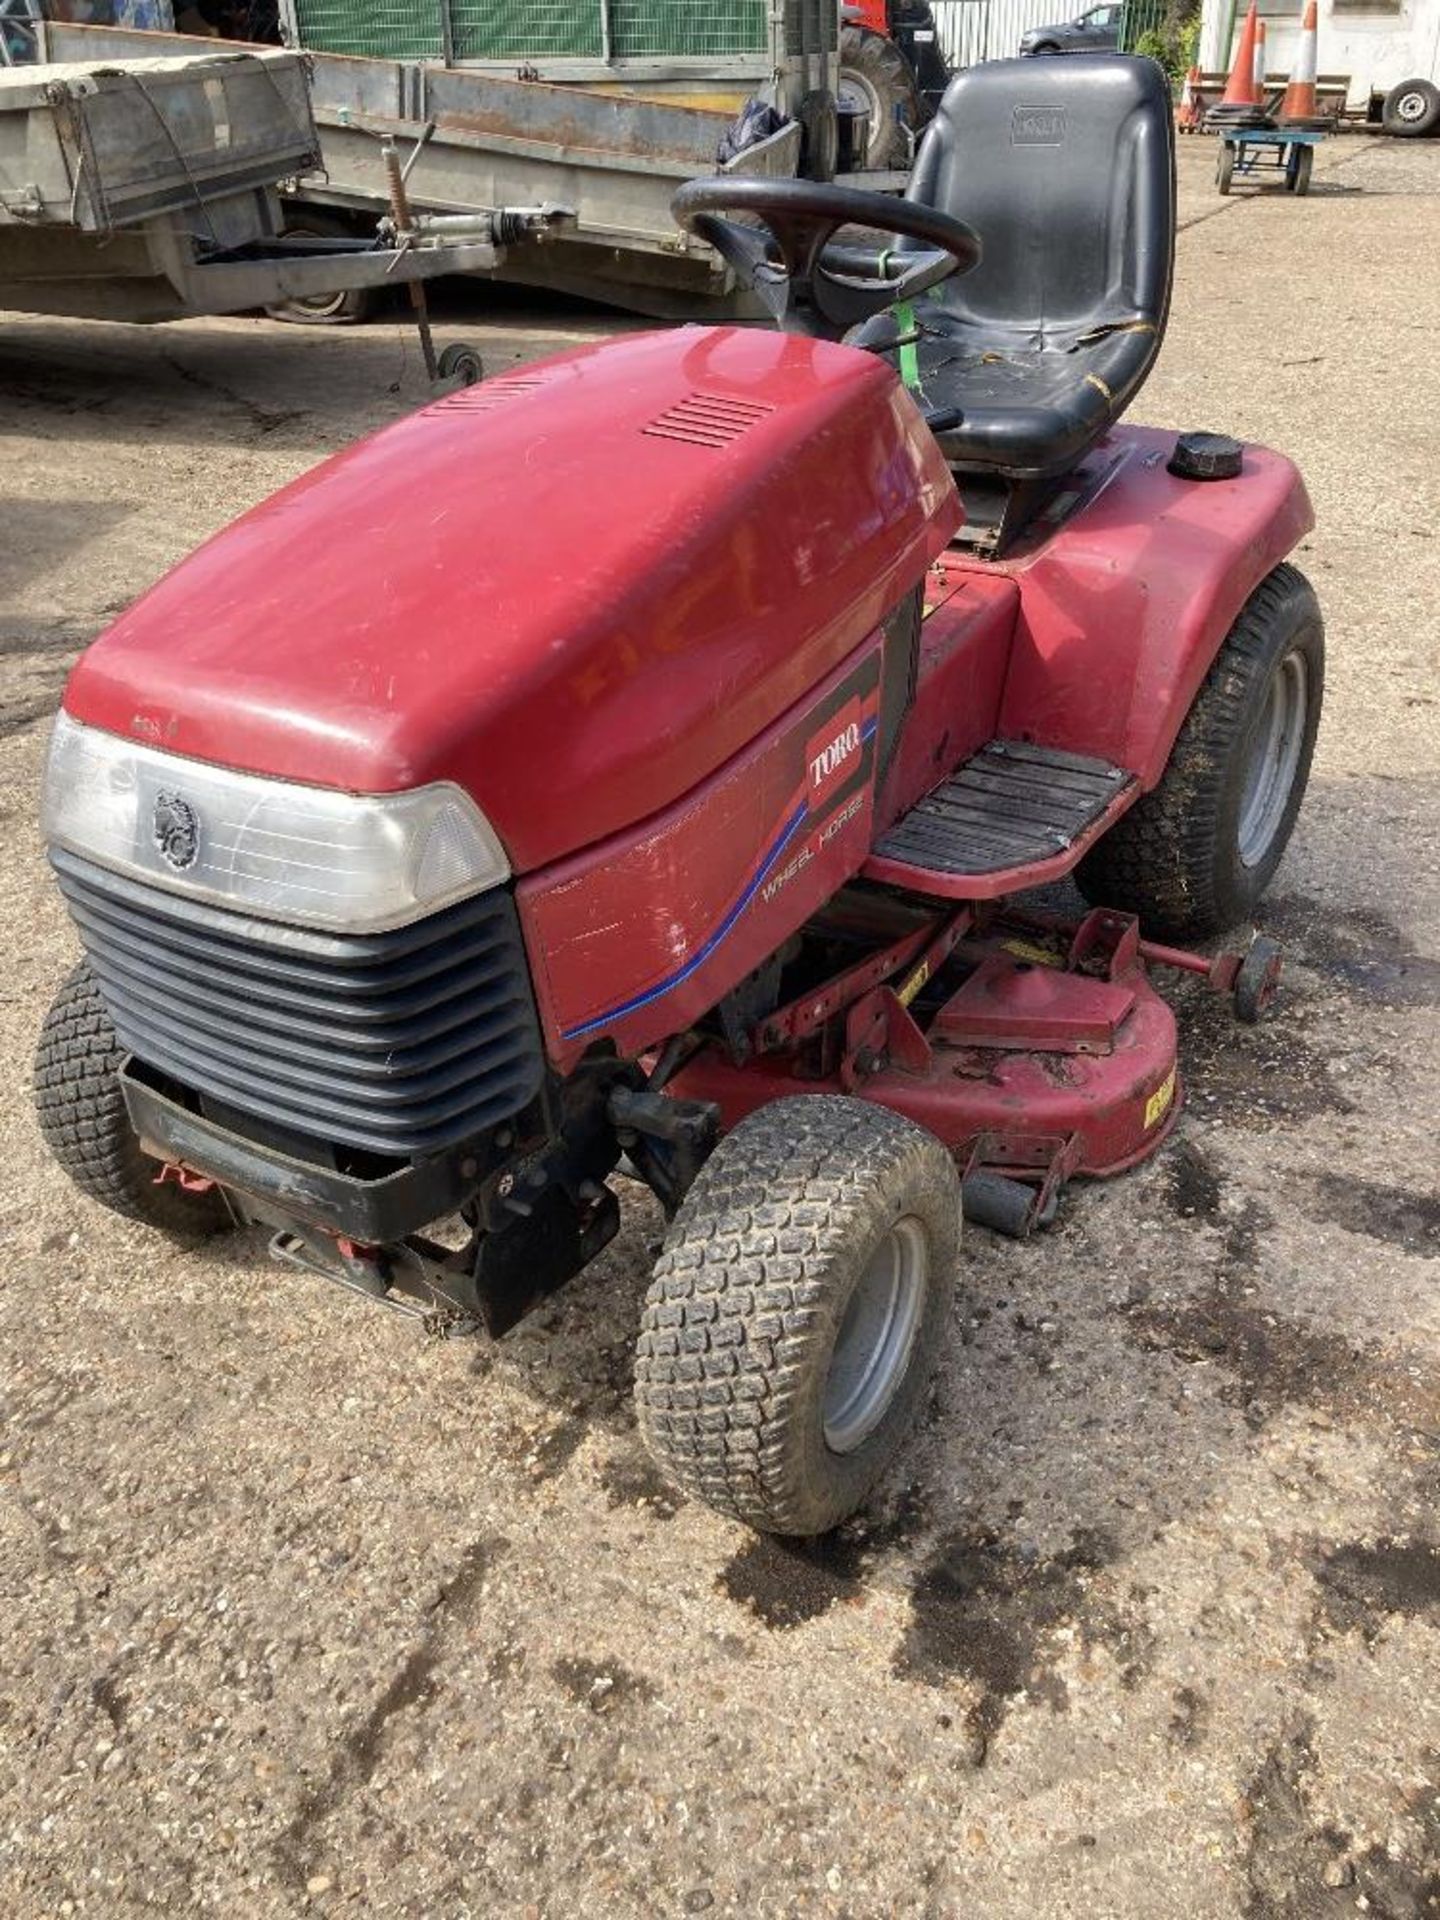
(913, 985)
(1158, 1105)
(1023, 950)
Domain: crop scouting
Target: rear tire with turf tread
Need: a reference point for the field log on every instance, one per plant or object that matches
(748, 1303)
(86, 1125)
(1174, 858)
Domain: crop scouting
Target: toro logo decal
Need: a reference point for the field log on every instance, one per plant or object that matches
(831, 754)
(1037, 126)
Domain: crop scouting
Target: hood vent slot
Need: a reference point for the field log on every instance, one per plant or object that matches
(708, 420)
(488, 394)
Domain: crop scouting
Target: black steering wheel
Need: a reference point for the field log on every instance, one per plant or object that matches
(813, 287)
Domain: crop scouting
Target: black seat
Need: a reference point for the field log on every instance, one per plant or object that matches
(1065, 167)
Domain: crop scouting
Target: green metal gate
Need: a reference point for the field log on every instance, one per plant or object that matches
(537, 30)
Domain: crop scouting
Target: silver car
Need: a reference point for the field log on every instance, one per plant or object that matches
(1097, 30)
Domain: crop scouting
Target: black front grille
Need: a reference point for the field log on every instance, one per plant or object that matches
(401, 1043)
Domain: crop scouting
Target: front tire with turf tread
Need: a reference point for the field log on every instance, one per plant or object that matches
(1174, 858)
(86, 1125)
(749, 1296)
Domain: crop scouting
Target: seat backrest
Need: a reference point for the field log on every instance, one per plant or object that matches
(1065, 167)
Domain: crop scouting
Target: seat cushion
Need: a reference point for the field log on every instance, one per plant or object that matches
(1026, 409)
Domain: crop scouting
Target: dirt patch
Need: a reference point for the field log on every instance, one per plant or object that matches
(1397, 1216)
(1364, 1586)
(1193, 1188)
(1298, 1868)
(1356, 948)
(1189, 1717)
(603, 1685)
(985, 1610)
(633, 1480)
(1268, 1361)
(1253, 1077)
(412, 1687)
(1294, 1870)
(786, 1582)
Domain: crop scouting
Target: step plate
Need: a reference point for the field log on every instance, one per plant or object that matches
(1013, 804)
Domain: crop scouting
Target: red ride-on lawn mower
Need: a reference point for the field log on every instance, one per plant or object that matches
(638, 762)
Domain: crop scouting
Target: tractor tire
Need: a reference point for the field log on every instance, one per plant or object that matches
(797, 1309)
(1411, 110)
(85, 1123)
(1193, 856)
(347, 309)
(876, 75)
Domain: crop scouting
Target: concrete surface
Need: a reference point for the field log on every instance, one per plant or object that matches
(302, 1615)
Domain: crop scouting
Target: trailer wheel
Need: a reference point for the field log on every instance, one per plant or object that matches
(86, 1125)
(460, 363)
(1297, 169)
(875, 75)
(345, 309)
(1193, 856)
(1411, 110)
(796, 1311)
(1225, 166)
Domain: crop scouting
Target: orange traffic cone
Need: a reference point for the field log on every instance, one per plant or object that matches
(1260, 61)
(1240, 87)
(1187, 115)
(1300, 108)
(1240, 104)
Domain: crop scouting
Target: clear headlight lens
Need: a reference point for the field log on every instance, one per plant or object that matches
(361, 862)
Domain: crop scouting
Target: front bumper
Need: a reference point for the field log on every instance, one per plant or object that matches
(373, 1212)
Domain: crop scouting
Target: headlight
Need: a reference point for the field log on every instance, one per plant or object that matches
(311, 855)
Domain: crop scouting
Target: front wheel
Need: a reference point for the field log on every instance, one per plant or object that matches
(796, 1311)
(1193, 856)
(86, 1124)
(1225, 166)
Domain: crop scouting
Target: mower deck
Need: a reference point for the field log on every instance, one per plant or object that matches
(1034, 1051)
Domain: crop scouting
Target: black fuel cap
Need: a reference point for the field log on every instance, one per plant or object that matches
(1206, 456)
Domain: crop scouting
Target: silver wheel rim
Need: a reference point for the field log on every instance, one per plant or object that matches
(876, 1337)
(1274, 759)
(1410, 106)
(854, 90)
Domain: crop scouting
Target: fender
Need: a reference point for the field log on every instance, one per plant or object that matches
(1124, 608)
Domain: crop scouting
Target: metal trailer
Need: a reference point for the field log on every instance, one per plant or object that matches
(480, 140)
(147, 190)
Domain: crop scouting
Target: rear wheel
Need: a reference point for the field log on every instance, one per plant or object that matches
(1193, 856)
(83, 1116)
(1297, 169)
(1412, 109)
(796, 1311)
(1225, 166)
(875, 75)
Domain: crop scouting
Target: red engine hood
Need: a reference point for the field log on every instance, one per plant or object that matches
(575, 590)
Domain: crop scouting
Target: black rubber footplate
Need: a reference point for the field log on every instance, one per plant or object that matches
(1009, 806)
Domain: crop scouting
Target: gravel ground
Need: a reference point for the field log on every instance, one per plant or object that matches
(301, 1614)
